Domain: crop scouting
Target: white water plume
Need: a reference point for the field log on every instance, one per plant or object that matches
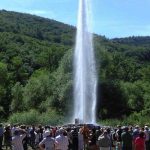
(85, 76)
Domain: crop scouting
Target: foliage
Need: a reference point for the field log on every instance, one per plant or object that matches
(134, 119)
(30, 117)
(17, 103)
(34, 117)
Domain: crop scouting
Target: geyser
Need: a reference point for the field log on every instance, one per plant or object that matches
(85, 76)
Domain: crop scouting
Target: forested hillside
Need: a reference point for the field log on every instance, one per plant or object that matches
(36, 72)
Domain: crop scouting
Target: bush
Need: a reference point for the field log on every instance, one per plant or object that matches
(30, 117)
(51, 118)
(34, 117)
(134, 119)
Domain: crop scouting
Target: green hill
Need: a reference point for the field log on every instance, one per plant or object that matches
(36, 71)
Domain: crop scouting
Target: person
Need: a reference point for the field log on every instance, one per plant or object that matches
(37, 138)
(41, 132)
(74, 139)
(61, 141)
(86, 133)
(80, 140)
(118, 135)
(93, 140)
(98, 132)
(25, 140)
(139, 143)
(114, 139)
(17, 139)
(1, 135)
(110, 137)
(48, 143)
(135, 133)
(7, 137)
(147, 137)
(32, 137)
(14, 127)
(69, 135)
(104, 141)
(126, 139)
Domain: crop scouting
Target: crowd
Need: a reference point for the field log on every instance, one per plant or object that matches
(83, 137)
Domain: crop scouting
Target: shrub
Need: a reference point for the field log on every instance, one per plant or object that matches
(30, 117)
(50, 117)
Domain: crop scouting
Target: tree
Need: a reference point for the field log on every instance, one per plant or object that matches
(38, 89)
(17, 103)
(3, 88)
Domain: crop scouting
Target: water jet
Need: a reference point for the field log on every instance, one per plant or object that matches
(85, 75)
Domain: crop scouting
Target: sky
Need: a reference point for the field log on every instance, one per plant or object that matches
(110, 18)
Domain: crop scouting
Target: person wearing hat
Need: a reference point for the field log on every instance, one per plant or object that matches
(48, 143)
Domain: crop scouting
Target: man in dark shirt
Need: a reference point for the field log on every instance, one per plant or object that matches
(75, 139)
(126, 139)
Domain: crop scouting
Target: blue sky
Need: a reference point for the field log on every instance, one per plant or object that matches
(112, 18)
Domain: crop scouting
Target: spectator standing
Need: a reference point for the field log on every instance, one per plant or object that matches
(74, 139)
(104, 141)
(93, 140)
(69, 135)
(135, 133)
(1, 136)
(86, 134)
(25, 140)
(32, 137)
(147, 137)
(41, 132)
(118, 135)
(61, 141)
(17, 139)
(126, 139)
(80, 140)
(48, 142)
(37, 138)
(114, 139)
(139, 143)
(7, 137)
